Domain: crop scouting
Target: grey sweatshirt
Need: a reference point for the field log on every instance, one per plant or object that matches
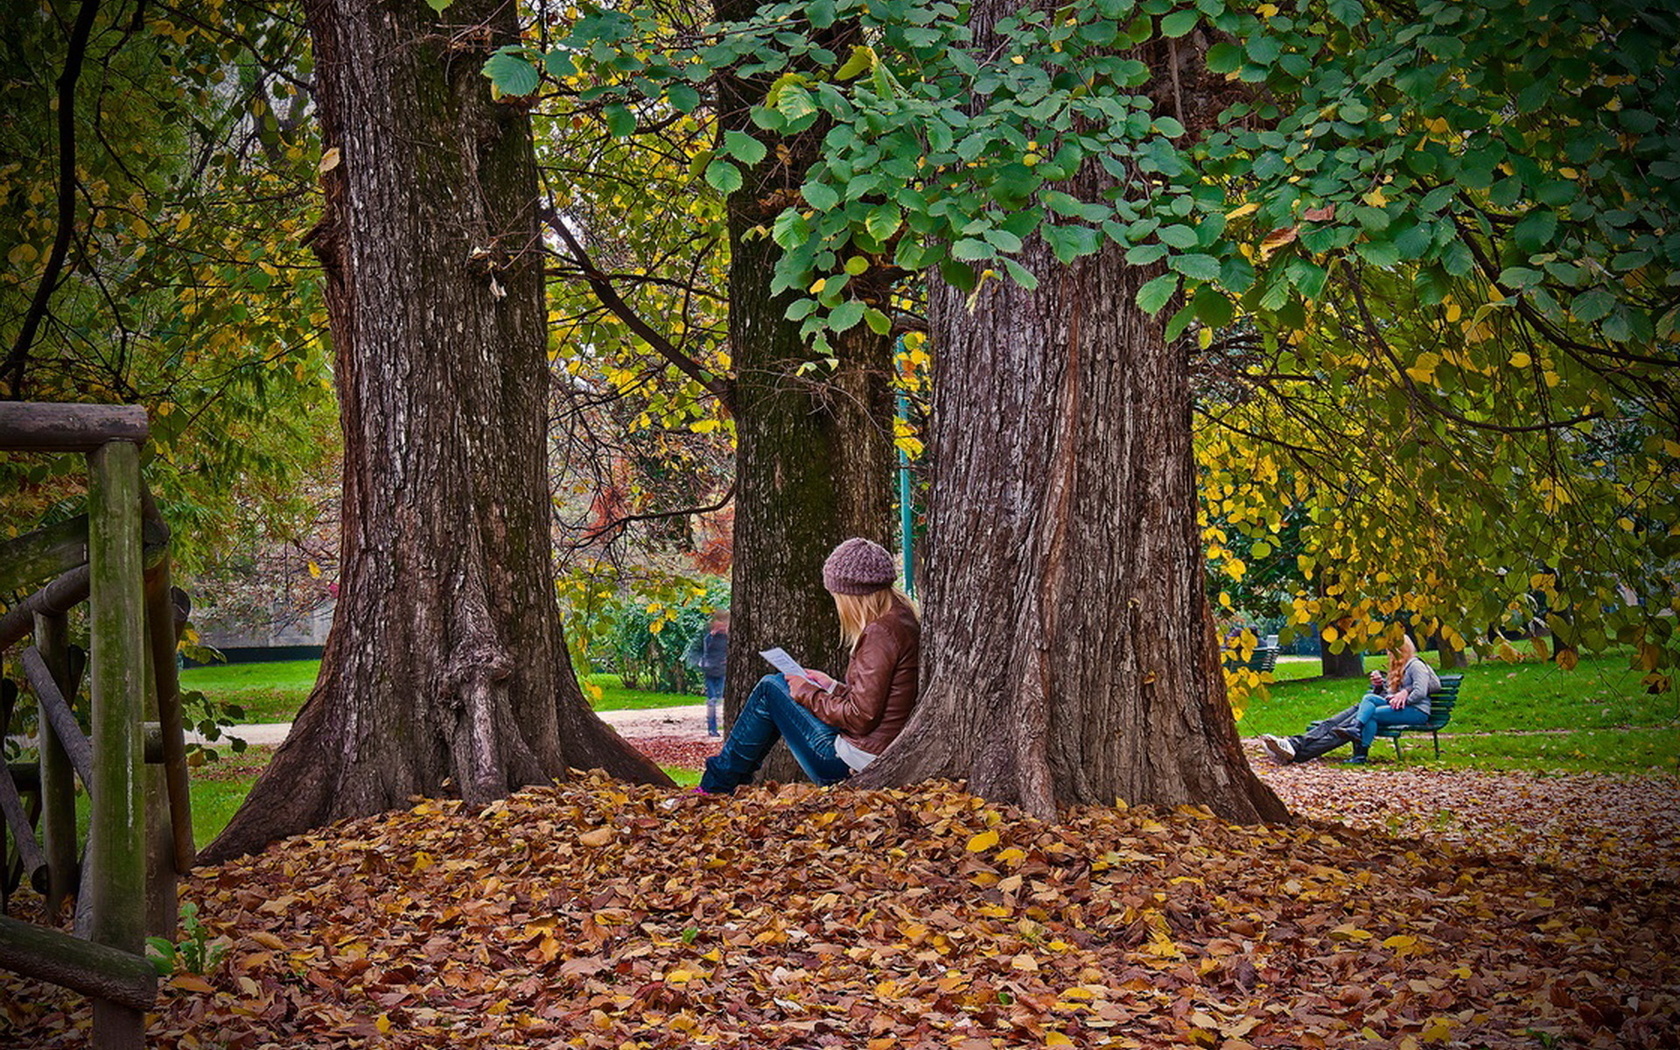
(1418, 679)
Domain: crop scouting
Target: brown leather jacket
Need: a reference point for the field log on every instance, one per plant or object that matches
(871, 706)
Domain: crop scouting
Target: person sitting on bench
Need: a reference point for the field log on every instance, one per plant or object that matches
(1318, 739)
(1402, 699)
(1324, 736)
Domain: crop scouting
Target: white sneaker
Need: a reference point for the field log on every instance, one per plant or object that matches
(1278, 748)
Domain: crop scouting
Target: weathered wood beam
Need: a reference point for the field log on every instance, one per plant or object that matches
(55, 599)
(34, 864)
(83, 966)
(40, 426)
(57, 788)
(116, 874)
(58, 714)
(8, 697)
(43, 554)
(23, 829)
(163, 632)
(69, 590)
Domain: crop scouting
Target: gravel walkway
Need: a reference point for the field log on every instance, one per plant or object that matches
(675, 723)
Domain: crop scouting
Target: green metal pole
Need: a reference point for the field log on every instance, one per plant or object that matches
(116, 875)
(904, 509)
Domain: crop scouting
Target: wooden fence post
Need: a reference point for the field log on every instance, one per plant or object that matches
(116, 876)
(163, 633)
(161, 904)
(8, 697)
(58, 788)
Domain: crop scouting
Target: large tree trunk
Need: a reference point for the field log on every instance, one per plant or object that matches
(1349, 663)
(445, 670)
(1069, 654)
(814, 450)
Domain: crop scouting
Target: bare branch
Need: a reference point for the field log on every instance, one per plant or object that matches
(17, 360)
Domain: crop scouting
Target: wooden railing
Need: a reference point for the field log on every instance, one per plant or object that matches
(116, 558)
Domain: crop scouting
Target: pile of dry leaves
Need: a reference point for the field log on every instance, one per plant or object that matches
(592, 914)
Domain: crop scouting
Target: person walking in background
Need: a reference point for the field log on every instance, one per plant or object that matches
(709, 652)
(835, 727)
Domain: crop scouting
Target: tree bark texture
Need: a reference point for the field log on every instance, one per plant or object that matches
(814, 460)
(1349, 663)
(1069, 653)
(445, 670)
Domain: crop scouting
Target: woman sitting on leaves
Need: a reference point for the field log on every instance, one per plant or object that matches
(835, 728)
(1400, 698)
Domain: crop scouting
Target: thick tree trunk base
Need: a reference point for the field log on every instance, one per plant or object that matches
(1069, 655)
(1349, 663)
(446, 671)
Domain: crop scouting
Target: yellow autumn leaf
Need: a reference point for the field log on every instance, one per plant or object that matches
(983, 841)
(1054, 1038)
(1521, 360)
(1424, 370)
(1437, 1030)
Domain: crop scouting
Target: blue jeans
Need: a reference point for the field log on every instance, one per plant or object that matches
(770, 714)
(714, 697)
(1374, 713)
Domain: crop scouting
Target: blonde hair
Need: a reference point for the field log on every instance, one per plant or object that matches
(1398, 657)
(858, 611)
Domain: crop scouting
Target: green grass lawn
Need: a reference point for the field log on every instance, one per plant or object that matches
(614, 697)
(273, 692)
(270, 692)
(1601, 693)
(1597, 718)
(1527, 715)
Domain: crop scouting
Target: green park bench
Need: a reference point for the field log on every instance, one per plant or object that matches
(1262, 660)
(1440, 713)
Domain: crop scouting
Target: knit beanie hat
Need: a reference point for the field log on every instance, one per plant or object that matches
(858, 566)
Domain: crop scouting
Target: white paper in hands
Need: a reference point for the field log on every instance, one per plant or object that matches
(781, 661)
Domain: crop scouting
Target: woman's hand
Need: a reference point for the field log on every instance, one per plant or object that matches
(1398, 700)
(822, 681)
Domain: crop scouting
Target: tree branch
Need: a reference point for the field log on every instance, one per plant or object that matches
(603, 288)
(17, 360)
(1420, 398)
(596, 535)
